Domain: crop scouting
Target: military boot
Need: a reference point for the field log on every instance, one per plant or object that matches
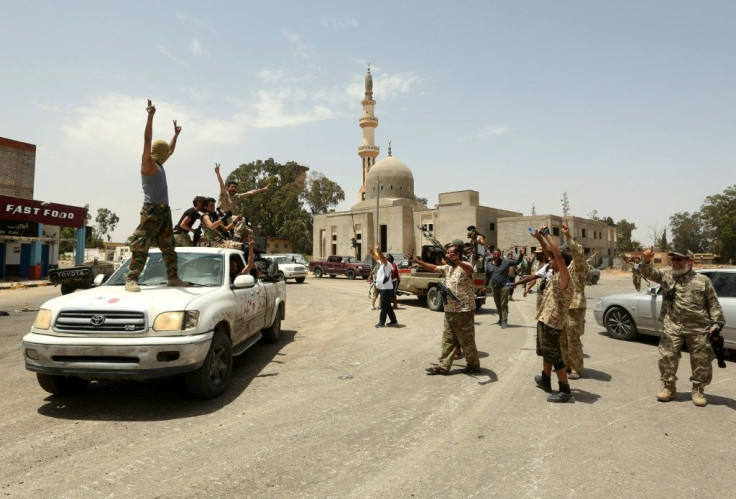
(175, 281)
(132, 286)
(668, 391)
(698, 396)
(544, 382)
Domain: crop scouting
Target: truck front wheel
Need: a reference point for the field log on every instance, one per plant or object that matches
(434, 300)
(67, 288)
(212, 378)
(350, 274)
(61, 385)
(318, 272)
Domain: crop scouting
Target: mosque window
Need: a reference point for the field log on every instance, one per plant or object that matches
(492, 226)
(392, 187)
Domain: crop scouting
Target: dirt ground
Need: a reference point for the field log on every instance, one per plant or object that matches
(339, 408)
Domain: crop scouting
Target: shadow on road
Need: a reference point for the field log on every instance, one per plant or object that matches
(596, 375)
(163, 399)
(585, 397)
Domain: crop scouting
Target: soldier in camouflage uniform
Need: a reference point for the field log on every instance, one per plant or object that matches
(635, 271)
(551, 318)
(229, 196)
(459, 328)
(214, 231)
(690, 313)
(155, 227)
(570, 342)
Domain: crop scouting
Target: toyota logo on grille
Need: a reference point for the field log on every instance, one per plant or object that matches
(97, 320)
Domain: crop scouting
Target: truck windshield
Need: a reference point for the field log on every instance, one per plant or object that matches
(198, 269)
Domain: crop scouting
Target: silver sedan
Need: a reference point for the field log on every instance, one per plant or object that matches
(625, 315)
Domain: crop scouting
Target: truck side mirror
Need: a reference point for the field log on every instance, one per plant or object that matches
(99, 279)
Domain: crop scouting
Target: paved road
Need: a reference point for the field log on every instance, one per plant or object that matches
(341, 409)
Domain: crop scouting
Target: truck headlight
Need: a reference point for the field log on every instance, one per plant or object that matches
(43, 319)
(176, 321)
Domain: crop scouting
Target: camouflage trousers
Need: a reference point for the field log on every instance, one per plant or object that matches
(570, 343)
(501, 299)
(459, 331)
(701, 356)
(549, 345)
(154, 229)
(227, 243)
(637, 280)
(183, 239)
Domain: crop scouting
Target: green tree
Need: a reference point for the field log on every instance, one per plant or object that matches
(106, 222)
(277, 212)
(687, 232)
(67, 246)
(718, 215)
(663, 244)
(623, 234)
(321, 193)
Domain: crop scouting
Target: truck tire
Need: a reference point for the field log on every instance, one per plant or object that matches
(67, 288)
(299, 280)
(318, 272)
(61, 385)
(434, 299)
(273, 333)
(350, 274)
(333, 276)
(477, 305)
(213, 377)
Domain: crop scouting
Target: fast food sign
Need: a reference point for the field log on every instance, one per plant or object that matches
(30, 210)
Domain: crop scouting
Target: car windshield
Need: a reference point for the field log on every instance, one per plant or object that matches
(198, 269)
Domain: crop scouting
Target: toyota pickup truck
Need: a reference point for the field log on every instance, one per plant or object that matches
(81, 276)
(427, 286)
(349, 266)
(108, 333)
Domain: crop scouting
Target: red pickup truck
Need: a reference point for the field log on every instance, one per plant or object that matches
(349, 266)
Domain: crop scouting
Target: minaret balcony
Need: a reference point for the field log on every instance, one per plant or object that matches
(368, 151)
(368, 121)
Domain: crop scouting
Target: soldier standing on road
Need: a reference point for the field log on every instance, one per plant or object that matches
(635, 271)
(551, 318)
(478, 248)
(459, 329)
(155, 226)
(690, 313)
(497, 273)
(229, 196)
(570, 343)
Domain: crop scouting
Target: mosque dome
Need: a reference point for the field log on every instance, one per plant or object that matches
(396, 179)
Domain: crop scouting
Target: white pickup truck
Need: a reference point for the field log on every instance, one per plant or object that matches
(108, 333)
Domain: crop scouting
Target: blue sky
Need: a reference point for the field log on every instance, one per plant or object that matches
(627, 106)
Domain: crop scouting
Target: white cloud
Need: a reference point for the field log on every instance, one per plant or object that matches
(174, 59)
(301, 48)
(195, 48)
(339, 24)
(49, 107)
(494, 130)
(387, 86)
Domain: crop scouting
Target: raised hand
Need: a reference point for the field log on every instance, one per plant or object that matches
(150, 108)
(177, 129)
(648, 254)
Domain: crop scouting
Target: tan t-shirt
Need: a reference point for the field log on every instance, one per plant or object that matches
(460, 283)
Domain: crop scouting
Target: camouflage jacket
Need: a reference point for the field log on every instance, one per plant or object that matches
(694, 308)
(578, 269)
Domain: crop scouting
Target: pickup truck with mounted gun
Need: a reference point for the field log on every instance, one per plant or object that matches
(427, 285)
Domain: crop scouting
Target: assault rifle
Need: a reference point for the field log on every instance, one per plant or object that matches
(716, 341)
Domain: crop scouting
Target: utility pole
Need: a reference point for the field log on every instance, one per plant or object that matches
(378, 197)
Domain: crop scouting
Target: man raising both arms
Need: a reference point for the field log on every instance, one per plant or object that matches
(229, 196)
(155, 226)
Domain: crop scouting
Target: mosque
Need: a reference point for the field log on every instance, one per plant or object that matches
(388, 212)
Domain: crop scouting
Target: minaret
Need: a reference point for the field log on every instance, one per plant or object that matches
(368, 150)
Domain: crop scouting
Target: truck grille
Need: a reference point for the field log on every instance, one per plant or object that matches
(100, 322)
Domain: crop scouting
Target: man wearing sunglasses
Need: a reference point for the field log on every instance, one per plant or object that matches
(690, 313)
